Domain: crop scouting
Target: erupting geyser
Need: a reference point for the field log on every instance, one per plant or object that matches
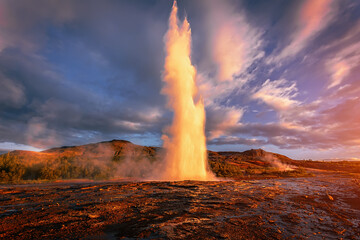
(185, 144)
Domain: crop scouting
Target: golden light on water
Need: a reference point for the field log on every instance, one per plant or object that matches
(184, 141)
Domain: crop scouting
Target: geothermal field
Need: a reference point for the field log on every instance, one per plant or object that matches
(324, 206)
(238, 90)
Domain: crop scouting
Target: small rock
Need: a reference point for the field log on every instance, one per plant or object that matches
(93, 215)
(330, 197)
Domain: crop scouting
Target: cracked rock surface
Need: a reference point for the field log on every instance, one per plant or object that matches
(326, 206)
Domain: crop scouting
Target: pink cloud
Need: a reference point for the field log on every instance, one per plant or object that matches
(39, 135)
(278, 94)
(234, 43)
(344, 61)
(223, 120)
(339, 70)
(312, 17)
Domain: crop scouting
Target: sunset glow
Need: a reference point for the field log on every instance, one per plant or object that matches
(278, 75)
(180, 119)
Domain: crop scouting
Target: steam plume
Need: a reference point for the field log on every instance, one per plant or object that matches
(185, 143)
(275, 162)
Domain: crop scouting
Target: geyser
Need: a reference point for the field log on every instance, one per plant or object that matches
(184, 140)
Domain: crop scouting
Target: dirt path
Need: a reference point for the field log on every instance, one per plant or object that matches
(326, 206)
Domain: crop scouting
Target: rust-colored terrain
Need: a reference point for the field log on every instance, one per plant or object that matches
(325, 206)
(262, 196)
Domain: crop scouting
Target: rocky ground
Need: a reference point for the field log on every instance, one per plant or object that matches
(326, 206)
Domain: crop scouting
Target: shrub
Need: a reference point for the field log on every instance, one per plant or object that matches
(33, 172)
(10, 169)
(224, 169)
(49, 173)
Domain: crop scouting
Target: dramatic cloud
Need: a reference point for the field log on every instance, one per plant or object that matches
(339, 70)
(59, 88)
(221, 120)
(11, 93)
(280, 75)
(310, 19)
(22, 22)
(277, 94)
(346, 56)
(233, 44)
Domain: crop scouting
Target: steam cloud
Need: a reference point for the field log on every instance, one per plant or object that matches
(277, 163)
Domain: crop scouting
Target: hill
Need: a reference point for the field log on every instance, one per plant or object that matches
(102, 151)
(120, 158)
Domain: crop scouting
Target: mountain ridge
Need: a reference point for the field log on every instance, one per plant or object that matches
(122, 147)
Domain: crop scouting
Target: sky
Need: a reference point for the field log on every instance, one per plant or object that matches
(278, 75)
